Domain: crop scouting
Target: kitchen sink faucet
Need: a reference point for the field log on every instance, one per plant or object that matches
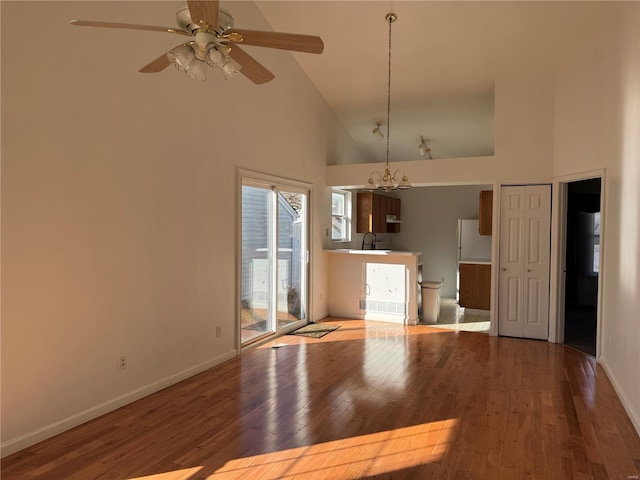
(373, 244)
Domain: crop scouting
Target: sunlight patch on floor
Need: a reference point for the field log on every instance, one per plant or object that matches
(464, 327)
(365, 455)
(182, 474)
(373, 454)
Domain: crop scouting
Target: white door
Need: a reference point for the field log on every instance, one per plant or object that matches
(525, 240)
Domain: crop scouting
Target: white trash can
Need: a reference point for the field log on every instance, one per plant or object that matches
(430, 301)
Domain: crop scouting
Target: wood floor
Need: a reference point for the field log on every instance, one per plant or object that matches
(369, 400)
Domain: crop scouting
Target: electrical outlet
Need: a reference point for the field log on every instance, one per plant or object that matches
(609, 340)
(326, 232)
(122, 362)
(218, 331)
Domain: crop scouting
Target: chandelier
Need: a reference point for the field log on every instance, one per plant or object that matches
(386, 181)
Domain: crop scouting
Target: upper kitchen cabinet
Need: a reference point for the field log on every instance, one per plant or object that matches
(486, 211)
(393, 215)
(377, 213)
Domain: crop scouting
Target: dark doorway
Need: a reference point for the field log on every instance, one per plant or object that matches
(582, 264)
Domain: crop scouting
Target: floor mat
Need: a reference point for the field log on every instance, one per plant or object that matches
(315, 330)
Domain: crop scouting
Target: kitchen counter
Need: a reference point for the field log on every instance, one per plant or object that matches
(350, 251)
(476, 261)
(373, 285)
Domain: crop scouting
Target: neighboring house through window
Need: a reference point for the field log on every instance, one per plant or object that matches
(340, 216)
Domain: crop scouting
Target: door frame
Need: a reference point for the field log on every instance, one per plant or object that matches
(280, 182)
(558, 255)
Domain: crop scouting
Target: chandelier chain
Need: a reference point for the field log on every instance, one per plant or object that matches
(385, 180)
(390, 19)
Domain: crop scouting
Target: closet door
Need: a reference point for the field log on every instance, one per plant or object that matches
(525, 242)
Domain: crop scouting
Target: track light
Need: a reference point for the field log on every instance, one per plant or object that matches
(424, 150)
(377, 132)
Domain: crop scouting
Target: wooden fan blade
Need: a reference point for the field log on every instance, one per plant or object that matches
(130, 26)
(284, 41)
(204, 11)
(250, 66)
(156, 65)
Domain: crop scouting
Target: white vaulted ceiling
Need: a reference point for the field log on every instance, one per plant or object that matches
(446, 58)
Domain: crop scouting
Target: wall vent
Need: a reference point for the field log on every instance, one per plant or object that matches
(383, 306)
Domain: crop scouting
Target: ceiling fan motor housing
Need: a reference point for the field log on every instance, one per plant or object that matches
(184, 21)
(204, 40)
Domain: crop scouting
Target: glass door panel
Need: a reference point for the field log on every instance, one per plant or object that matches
(291, 278)
(255, 298)
(273, 259)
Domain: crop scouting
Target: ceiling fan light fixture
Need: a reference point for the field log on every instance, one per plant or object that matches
(196, 70)
(214, 57)
(230, 68)
(181, 56)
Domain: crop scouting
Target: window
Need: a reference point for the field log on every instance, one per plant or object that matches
(340, 216)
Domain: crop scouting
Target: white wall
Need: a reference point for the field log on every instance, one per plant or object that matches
(584, 118)
(118, 196)
(598, 126)
(118, 205)
(523, 143)
(429, 223)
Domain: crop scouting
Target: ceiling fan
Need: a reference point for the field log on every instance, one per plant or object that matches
(215, 43)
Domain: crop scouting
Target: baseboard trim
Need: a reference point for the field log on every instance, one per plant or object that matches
(23, 441)
(633, 415)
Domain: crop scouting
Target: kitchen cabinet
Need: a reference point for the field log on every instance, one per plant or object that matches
(372, 210)
(486, 212)
(393, 208)
(475, 286)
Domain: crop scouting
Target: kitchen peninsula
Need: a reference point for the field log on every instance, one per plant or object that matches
(374, 285)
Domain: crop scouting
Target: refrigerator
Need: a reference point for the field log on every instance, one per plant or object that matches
(471, 245)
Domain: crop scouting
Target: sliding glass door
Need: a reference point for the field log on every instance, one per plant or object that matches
(273, 258)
